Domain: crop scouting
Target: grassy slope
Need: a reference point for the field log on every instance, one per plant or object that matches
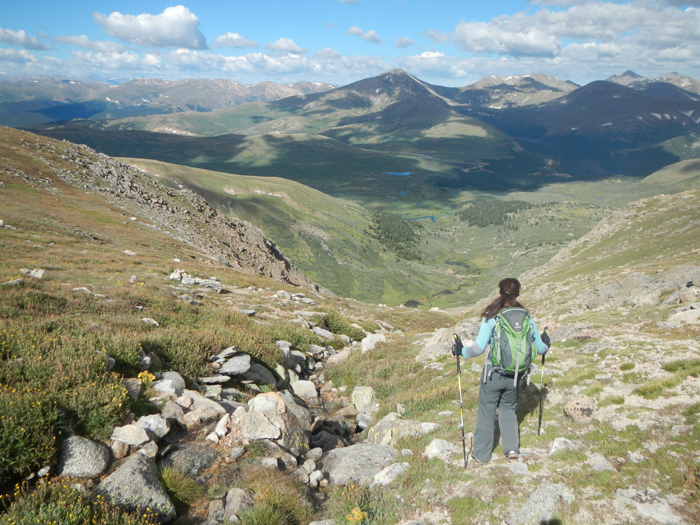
(654, 236)
(326, 236)
(89, 240)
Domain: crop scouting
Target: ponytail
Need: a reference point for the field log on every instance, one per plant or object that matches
(509, 290)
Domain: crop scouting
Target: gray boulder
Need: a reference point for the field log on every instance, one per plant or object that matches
(357, 463)
(364, 399)
(254, 425)
(191, 459)
(323, 334)
(599, 463)
(155, 424)
(306, 390)
(391, 429)
(328, 441)
(269, 418)
(200, 401)
(542, 503)
(176, 380)
(83, 458)
(237, 501)
(130, 435)
(199, 416)
(649, 505)
(369, 342)
(439, 344)
(389, 474)
(216, 379)
(136, 486)
(316, 350)
(259, 375)
(581, 408)
(302, 414)
(562, 444)
(440, 448)
(215, 513)
(235, 366)
(315, 454)
(36, 273)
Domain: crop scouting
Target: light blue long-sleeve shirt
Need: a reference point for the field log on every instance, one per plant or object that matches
(484, 338)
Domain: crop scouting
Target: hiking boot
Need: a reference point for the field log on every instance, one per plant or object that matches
(472, 459)
(512, 454)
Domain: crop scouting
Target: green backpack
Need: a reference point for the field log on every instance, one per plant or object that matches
(512, 348)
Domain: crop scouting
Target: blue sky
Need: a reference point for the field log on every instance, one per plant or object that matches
(446, 42)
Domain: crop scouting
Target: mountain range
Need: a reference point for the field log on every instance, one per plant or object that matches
(33, 100)
(498, 134)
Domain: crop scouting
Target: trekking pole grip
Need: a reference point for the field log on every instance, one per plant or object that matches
(456, 338)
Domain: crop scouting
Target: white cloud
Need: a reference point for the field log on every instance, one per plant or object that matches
(436, 64)
(174, 27)
(370, 36)
(21, 38)
(101, 46)
(639, 24)
(681, 3)
(286, 45)
(17, 56)
(116, 61)
(233, 40)
(328, 53)
(480, 37)
(403, 42)
(437, 37)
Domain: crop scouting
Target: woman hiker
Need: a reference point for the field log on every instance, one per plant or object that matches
(499, 388)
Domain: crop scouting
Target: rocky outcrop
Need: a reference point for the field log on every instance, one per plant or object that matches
(181, 213)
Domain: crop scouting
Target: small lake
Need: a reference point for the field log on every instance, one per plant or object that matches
(462, 265)
(399, 173)
(431, 217)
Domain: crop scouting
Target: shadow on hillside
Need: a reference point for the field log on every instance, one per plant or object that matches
(552, 522)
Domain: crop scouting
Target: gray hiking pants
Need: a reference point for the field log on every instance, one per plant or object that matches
(496, 394)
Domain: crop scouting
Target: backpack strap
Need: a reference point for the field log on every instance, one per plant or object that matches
(487, 362)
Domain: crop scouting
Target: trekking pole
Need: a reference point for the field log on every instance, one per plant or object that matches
(539, 424)
(461, 412)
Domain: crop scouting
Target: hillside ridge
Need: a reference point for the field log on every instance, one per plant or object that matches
(182, 214)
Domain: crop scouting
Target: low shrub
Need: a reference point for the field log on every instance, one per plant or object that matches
(71, 368)
(655, 387)
(28, 420)
(338, 325)
(688, 367)
(60, 504)
(265, 514)
(282, 500)
(181, 488)
(357, 504)
(612, 400)
(369, 326)
(295, 334)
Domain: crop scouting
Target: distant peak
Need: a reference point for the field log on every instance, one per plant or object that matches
(397, 71)
(630, 73)
(627, 78)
